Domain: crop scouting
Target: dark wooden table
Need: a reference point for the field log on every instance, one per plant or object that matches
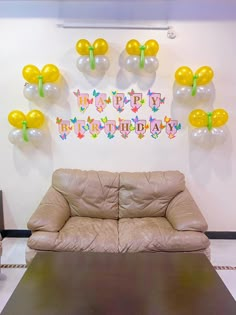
(120, 284)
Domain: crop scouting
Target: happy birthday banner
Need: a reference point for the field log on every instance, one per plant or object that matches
(118, 100)
(123, 127)
(110, 127)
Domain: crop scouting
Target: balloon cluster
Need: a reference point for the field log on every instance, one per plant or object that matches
(191, 86)
(206, 123)
(41, 83)
(92, 56)
(26, 126)
(142, 56)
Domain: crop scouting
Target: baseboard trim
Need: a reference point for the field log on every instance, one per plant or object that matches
(221, 235)
(15, 233)
(227, 235)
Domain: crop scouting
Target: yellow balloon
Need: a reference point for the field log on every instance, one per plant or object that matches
(133, 47)
(184, 76)
(82, 47)
(35, 119)
(50, 73)
(219, 117)
(152, 47)
(205, 75)
(198, 118)
(15, 118)
(100, 46)
(31, 73)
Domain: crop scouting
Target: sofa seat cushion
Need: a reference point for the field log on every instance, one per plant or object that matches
(79, 234)
(157, 234)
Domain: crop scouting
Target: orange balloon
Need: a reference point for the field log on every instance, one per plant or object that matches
(35, 119)
(82, 47)
(198, 118)
(30, 73)
(100, 46)
(15, 118)
(184, 76)
(50, 73)
(219, 117)
(152, 47)
(205, 75)
(133, 47)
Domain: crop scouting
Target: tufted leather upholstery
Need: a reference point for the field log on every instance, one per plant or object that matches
(117, 212)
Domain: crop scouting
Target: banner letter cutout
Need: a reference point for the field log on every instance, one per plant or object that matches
(100, 102)
(118, 101)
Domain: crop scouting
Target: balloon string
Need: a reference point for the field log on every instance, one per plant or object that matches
(40, 86)
(142, 56)
(24, 131)
(209, 123)
(194, 88)
(91, 57)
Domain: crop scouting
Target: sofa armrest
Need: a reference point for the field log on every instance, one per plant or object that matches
(51, 214)
(184, 214)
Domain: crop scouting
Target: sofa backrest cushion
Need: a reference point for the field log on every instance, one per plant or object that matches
(147, 194)
(91, 194)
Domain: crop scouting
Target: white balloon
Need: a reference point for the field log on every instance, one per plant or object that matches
(132, 63)
(51, 91)
(101, 65)
(183, 94)
(201, 136)
(83, 64)
(219, 135)
(15, 136)
(209, 138)
(35, 135)
(151, 64)
(200, 132)
(30, 92)
(205, 92)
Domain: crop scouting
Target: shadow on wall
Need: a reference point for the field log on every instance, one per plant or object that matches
(28, 156)
(213, 155)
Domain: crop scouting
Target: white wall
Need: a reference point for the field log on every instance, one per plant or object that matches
(203, 39)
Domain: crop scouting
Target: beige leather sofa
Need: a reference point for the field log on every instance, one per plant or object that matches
(103, 211)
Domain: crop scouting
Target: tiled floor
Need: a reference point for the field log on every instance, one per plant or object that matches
(223, 256)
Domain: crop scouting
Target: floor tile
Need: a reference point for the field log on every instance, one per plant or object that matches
(223, 252)
(229, 279)
(13, 250)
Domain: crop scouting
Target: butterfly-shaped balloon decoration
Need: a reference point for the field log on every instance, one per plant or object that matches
(208, 123)
(26, 127)
(40, 84)
(92, 57)
(142, 57)
(193, 87)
